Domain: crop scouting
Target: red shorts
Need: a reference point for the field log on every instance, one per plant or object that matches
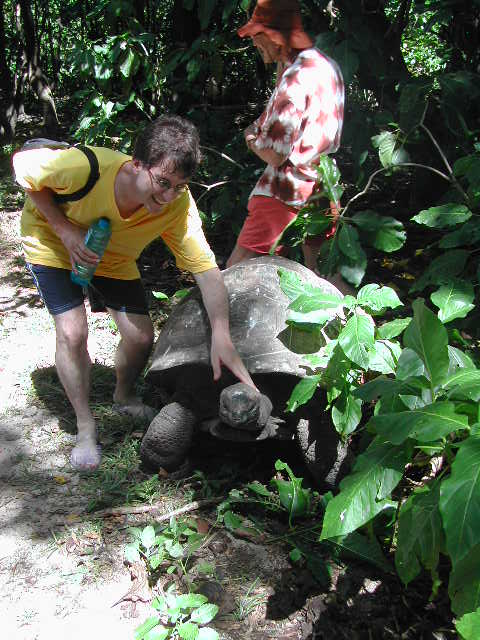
(266, 221)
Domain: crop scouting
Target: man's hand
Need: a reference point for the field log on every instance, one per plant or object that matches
(224, 352)
(71, 236)
(215, 299)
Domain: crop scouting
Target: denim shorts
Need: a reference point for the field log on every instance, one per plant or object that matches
(60, 294)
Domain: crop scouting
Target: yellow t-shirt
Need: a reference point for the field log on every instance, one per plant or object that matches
(66, 171)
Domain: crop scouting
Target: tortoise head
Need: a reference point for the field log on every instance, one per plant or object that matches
(242, 407)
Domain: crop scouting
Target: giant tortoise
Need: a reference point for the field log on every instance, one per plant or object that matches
(229, 409)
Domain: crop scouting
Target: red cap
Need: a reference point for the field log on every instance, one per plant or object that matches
(281, 21)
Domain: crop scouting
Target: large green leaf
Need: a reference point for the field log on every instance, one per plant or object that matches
(464, 583)
(463, 385)
(302, 392)
(469, 625)
(358, 546)
(409, 365)
(205, 613)
(425, 424)
(454, 300)
(316, 300)
(420, 536)
(364, 493)
(188, 631)
(349, 243)
(427, 336)
(460, 501)
(392, 329)
(356, 338)
(384, 356)
(144, 628)
(382, 232)
(377, 298)
(346, 414)
(442, 269)
(466, 235)
(292, 286)
(330, 178)
(445, 215)
(390, 152)
(382, 386)
(353, 271)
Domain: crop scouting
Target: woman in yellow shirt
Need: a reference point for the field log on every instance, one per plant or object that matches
(144, 196)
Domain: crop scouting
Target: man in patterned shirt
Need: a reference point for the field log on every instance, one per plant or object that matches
(302, 121)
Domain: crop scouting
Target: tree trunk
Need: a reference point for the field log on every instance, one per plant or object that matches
(32, 70)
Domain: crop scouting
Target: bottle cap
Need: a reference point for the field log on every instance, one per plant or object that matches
(104, 223)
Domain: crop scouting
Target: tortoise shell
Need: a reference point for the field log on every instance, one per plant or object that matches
(258, 311)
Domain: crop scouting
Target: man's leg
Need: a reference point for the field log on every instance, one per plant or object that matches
(136, 331)
(73, 366)
(239, 254)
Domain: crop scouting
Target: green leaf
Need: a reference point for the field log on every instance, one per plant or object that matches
(353, 270)
(382, 232)
(295, 499)
(131, 553)
(463, 385)
(358, 546)
(445, 215)
(303, 392)
(159, 295)
(349, 243)
(363, 494)
(231, 520)
(148, 537)
(442, 269)
(425, 424)
(346, 414)
(127, 64)
(356, 338)
(295, 555)
(291, 284)
(143, 629)
(205, 613)
(458, 360)
(392, 329)
(317, 300)
(187, 631)
(382, 386)
(468, 626)
(190, 600)
(454, 300)
(464, 585)
(330, 178)
(427, 336)
(460, 501)
(377, 298)
(466, 235)
(420, 535)
(259, 489)
(384, 356)
(389, 152)
(409, 365)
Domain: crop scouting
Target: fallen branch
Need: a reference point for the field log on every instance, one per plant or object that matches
(146, 508)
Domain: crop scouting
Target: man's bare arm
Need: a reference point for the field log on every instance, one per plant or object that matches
(215, 299)
(71, 236)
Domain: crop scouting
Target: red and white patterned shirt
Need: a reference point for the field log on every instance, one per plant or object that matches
(303, 120)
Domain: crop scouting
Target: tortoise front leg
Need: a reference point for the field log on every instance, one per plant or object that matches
(168, 438)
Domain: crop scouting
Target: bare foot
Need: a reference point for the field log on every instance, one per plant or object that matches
(86, 455)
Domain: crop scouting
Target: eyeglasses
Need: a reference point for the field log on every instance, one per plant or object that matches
(165, 184)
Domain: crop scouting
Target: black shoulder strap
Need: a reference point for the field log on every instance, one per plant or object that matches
(92, 178)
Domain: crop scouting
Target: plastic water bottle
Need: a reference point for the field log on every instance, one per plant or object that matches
(96, 240)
